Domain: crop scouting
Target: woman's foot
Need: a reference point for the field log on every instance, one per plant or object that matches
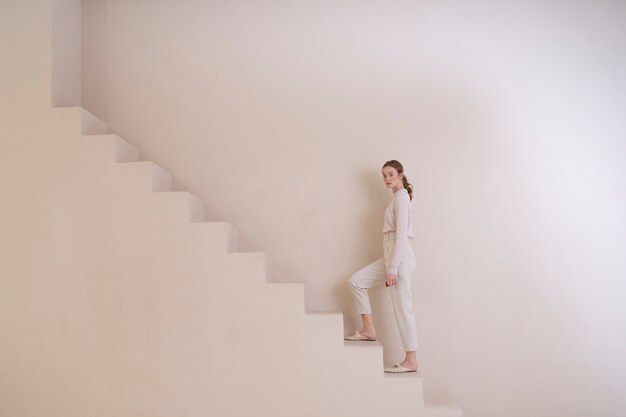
(409, 365)
(363, 335)
(399, 369)
(370, 334)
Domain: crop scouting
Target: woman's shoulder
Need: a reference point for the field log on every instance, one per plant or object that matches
(402, 195)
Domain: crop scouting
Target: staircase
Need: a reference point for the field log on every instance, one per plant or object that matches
(182, 323)
(119, 299)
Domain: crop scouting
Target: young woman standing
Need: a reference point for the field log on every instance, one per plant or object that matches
(394, 270)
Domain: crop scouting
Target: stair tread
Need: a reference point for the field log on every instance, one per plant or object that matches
(403, 375)
(442, 410)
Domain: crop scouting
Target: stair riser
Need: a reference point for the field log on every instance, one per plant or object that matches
(102, 150)
(141, 177)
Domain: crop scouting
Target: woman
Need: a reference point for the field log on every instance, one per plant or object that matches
(395, 269)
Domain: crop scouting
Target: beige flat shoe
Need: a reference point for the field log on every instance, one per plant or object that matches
(358, 337)
(399, 369)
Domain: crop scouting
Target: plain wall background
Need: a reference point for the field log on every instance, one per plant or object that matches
(25, 37)
(507, 117)
(66, 52)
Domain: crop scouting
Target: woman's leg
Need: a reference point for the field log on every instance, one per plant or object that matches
(402, 300)
(373, 275)
(368, 330)
(410, 361)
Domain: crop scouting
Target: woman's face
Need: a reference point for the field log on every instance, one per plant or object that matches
(392, 179)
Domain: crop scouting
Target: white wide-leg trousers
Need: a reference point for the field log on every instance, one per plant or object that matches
(375, 275)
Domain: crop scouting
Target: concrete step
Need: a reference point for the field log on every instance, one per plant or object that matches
(109, 148)
(90, 124)
(213, 237)
(176, 206)
(80, 121)
(143, 176)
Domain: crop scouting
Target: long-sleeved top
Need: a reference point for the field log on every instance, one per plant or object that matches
(398, 219)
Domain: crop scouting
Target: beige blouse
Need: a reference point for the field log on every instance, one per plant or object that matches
(398, 219)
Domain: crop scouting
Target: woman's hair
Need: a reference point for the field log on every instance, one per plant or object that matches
(405, 181)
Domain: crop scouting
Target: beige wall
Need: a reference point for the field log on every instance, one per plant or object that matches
(26, 49)
(66, 52)
(509, 120)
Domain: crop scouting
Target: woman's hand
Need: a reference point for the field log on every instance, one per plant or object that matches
(392, 279)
